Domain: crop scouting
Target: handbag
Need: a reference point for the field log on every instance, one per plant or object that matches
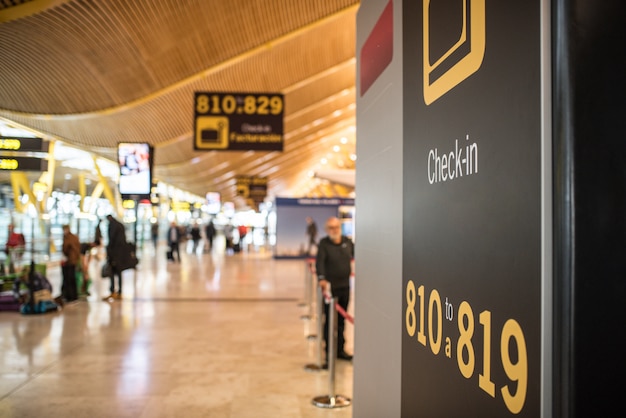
(107, 270)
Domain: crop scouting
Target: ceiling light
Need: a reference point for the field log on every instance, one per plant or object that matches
(336, 148)
(343, 140)
(353, 157)
(324, 161)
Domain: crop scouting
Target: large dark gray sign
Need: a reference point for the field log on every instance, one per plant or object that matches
(472, 209)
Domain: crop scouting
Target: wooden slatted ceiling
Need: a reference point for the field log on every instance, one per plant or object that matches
(6, 4)
(93, 55)
(169, 114)
(96, 73)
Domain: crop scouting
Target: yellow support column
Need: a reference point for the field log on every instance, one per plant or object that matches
(19, 182)
(102, 181)
(15, 185)
(47, 177)
(95, 194)
(82, 191)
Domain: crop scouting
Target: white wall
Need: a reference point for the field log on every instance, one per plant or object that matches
(378, 288)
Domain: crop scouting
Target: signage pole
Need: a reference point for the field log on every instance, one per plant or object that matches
(136, 220)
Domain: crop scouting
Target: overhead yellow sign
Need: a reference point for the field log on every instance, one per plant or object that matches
(238, 121)
(23, 164)
(11, 143)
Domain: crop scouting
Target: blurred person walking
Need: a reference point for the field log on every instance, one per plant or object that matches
(195, 236)
(119, 256)
(210, 233)
(311, 232)
(229, 236)
(15, 246)
(154, 229)
(173, 240)
(71, 253)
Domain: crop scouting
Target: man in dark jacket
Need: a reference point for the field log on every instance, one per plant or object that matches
(210, 233)
(118, 255)
(334, 267)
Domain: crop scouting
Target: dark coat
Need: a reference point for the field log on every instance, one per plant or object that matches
(119, 252)
(177, 235)
(210, 230)
(333, 262)
(195, 233)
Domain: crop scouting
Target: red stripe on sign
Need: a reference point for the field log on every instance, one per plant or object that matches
(377, 51)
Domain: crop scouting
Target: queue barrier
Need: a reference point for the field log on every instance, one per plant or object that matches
(332, 400)
(308, 286)
(316, 367)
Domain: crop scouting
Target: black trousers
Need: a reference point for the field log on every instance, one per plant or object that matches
(343, 298)
(209, 240)
(175, 250)
(119, 281)
(69, 289)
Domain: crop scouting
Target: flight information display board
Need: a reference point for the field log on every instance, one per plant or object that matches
(23, 164)
(238, 121)
(23, 144)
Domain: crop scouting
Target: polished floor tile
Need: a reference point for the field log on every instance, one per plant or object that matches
(215, 335)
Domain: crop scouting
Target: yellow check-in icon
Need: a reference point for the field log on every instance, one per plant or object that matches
(474, 17)
(212, 132)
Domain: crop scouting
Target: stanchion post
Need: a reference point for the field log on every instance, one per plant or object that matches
(307, 272)
(331, 400)
(308, 282)
(316, 297)
(331, 350)
(320, 331)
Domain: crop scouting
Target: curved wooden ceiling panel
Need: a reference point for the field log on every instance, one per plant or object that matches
(96, 73)
(85, 56)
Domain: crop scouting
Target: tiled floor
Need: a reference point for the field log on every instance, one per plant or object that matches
(213, 336)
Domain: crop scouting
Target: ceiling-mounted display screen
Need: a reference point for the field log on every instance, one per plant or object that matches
(135, 161)
(214, 203)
